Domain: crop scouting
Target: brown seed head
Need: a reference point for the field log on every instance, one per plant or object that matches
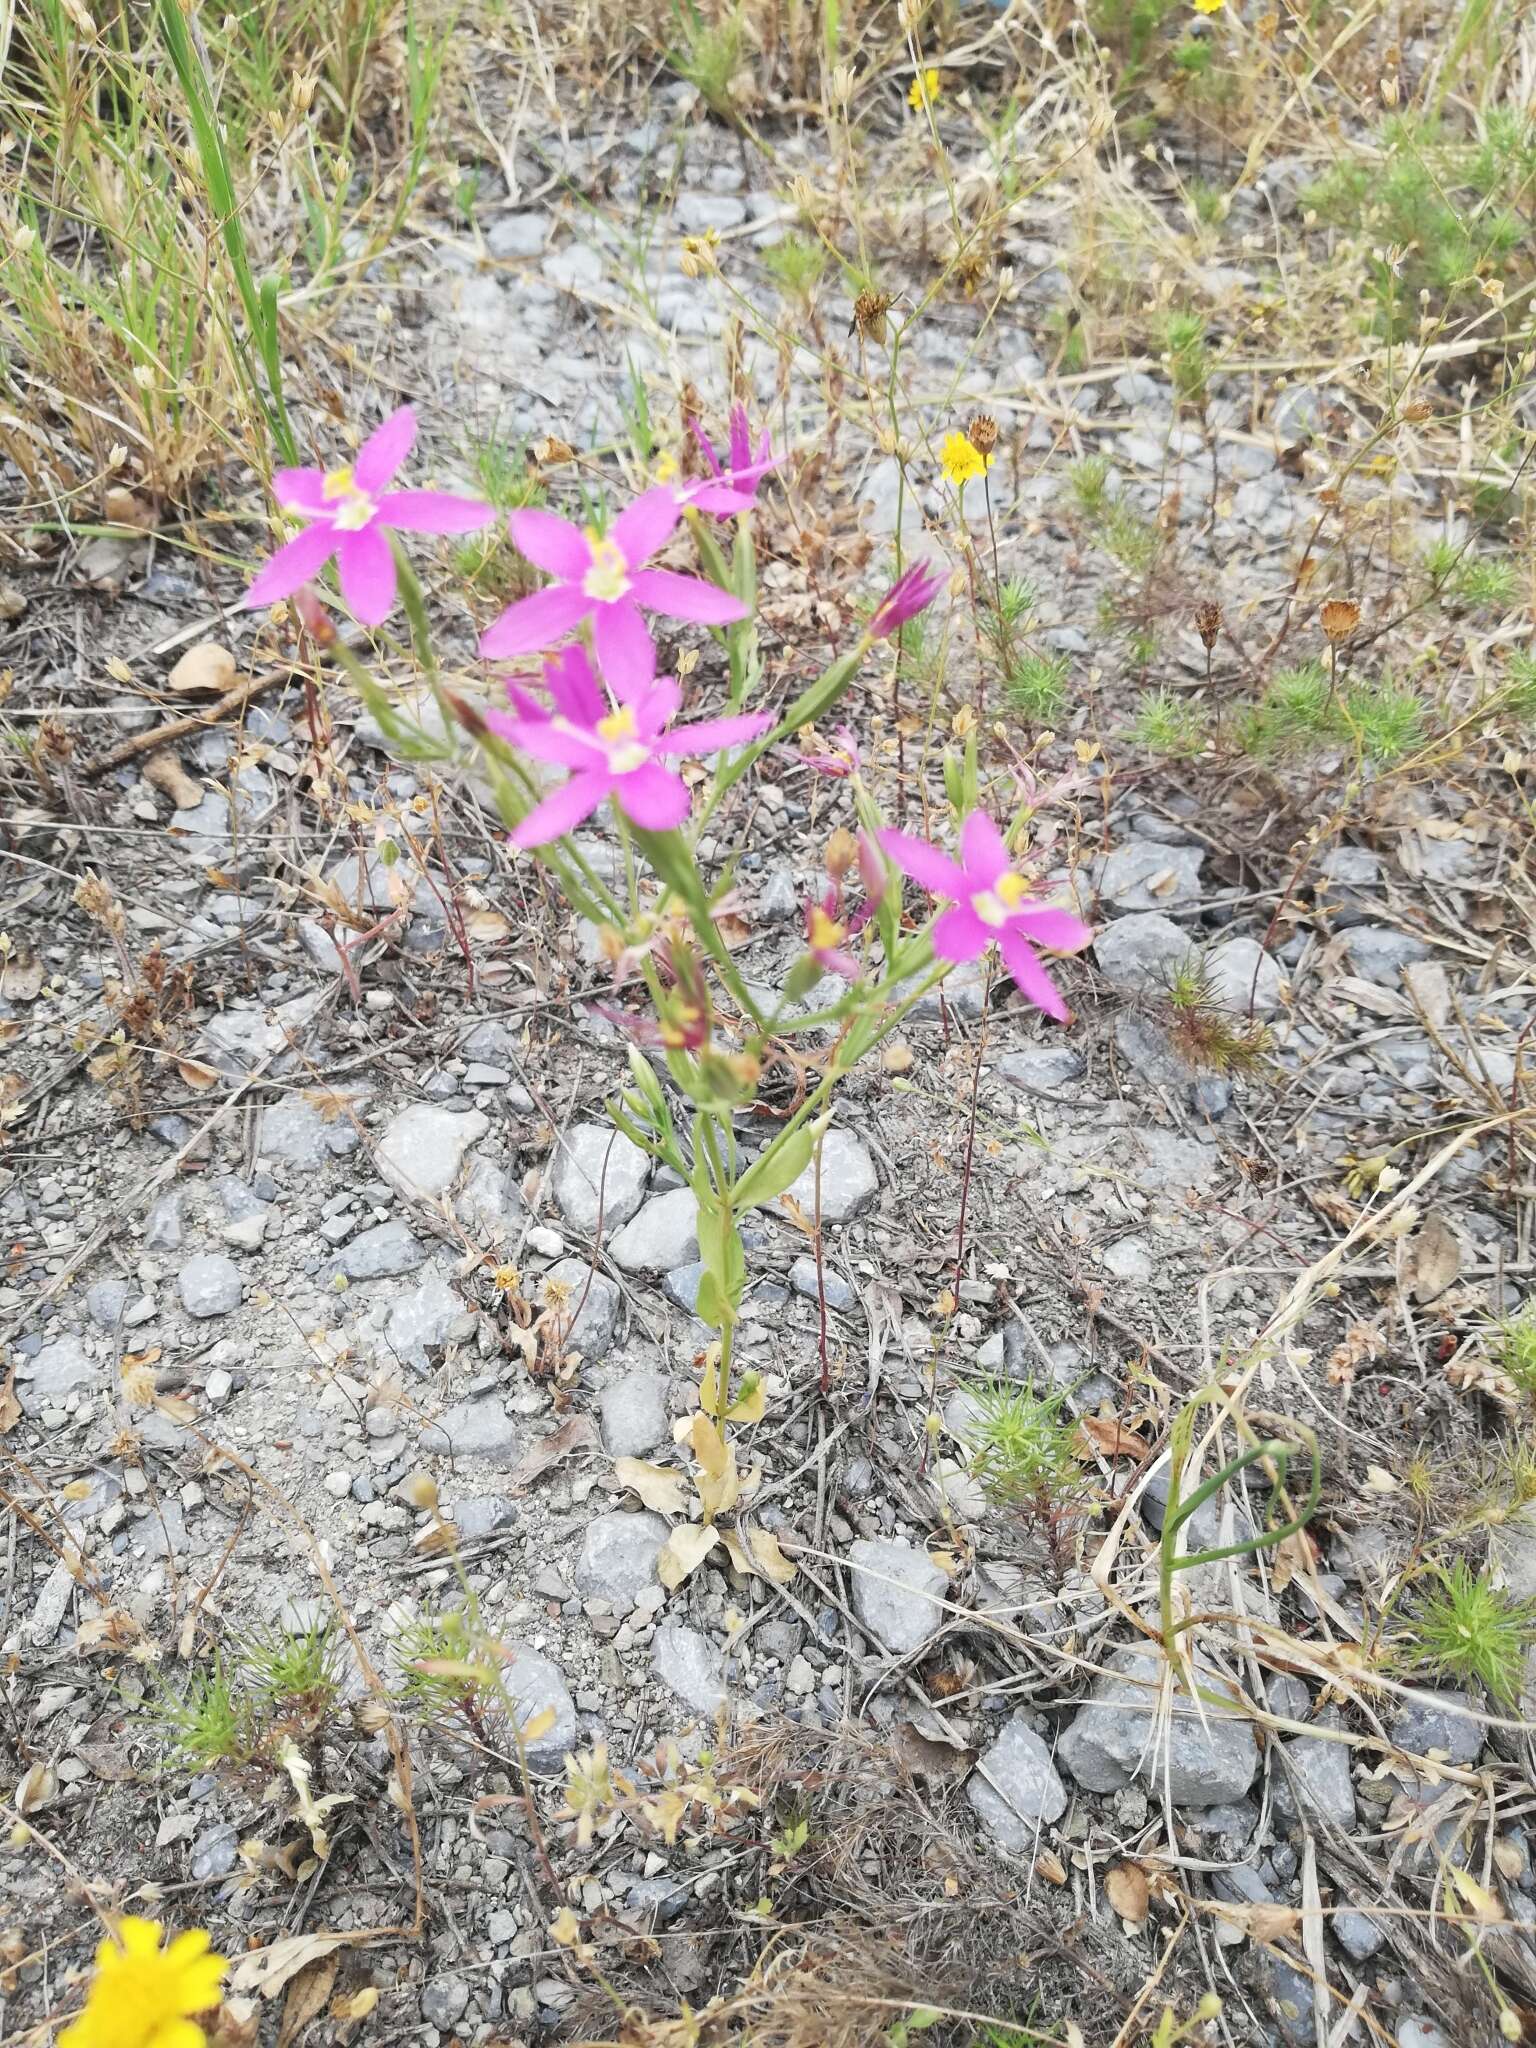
(1339, 618)
(842, 852)
(982, 433)
(1208, 623)
(869, 311)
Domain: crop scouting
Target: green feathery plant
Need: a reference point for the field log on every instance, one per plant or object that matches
(1514, 1346)
(1168, 725)
(1022, 1449)
(1036, 686)
(1464, 1627)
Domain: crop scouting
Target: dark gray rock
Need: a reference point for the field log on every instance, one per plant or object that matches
(1041, 1066)
(477, 1428)
(1358, 1934)
(538, 1686)
(1440, 1721)
(1379, 953)
(802, 1277)
(1205, 1754)
(162, 1226)
(1325, 1788)
(1015, 1787)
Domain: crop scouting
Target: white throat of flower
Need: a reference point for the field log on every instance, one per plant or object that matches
(607, 577)
(626, 750)
(354, 508)
(996, 905)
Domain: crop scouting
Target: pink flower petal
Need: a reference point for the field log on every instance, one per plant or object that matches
(652, 797)
(535, 622)
(562, 810)
(685, 597)
(655, 710)
(721, 500)
(302, 557)
(302, 490)
(367, 574)
(1058, 929)
(936, 872)
(1034, 983)
(624, 649)
(741, 438)
(550, 543)
(573, 687)
(709, 735)
(959, 934)
(642, 526)
(547, 741)
(384, 451)
(433, 512)
(982, 849)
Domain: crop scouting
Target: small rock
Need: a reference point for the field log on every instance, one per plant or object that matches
(682, 1285)
(690, 1664)
(895, 1592)
(1148, 1049)
(382, 1253)
(247, 1233)
(1141, 953)
(215, 1853)
(1292, 1997)
(618, 1557)
(209, 1285)
(1128, 1258)
(1142, 875)
(634, 1415)
(517, 234)
(1418, 2031)
(424, 1147)
(162, 1227)
(1041, 1066)
(1245, 978)
(490, 1201)
(477, 1428)
(1324, 1785)
(58, 1369)
(294, 1131)
(1358, 1934)
(839, 1295)
(443, 2002)
(778, 898)
(1440, 1721)
(1378, 953)
(849, 1185)
(664, 1234)
(421, 1319)
(538, 1685)
(1016, 1786)
(1121, 1733)
(596, 1171)
(592, 1301)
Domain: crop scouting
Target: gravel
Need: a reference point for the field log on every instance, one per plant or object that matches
(55, 1371)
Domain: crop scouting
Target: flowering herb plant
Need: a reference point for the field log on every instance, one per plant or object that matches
(598, 713)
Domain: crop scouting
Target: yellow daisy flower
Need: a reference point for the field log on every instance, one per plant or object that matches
(143, 1995)
(1209, 6)
(961, 459)
(927, 86)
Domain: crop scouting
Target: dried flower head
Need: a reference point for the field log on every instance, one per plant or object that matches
(1339, 618)
(842, 852)
(869, 311)
(982, 433)
(1208, 623)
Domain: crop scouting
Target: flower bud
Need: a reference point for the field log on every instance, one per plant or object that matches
(842, 852)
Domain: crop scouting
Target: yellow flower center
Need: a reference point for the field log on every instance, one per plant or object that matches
(996, 905)
(626, 751)
(825, 931)
(357, 509)
(607, 579)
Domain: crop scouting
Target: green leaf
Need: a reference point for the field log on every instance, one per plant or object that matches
(779, 1167)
